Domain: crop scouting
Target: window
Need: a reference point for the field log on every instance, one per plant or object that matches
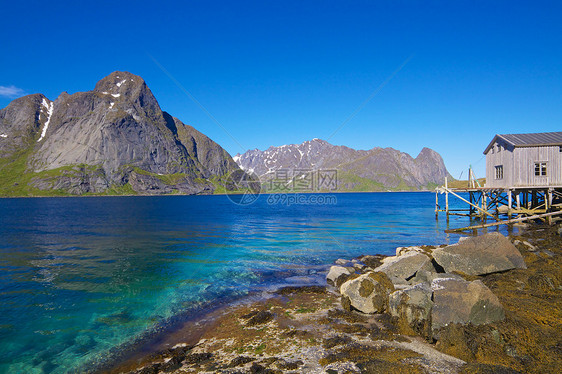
(499, 172)
(560, 148)
(540, 169)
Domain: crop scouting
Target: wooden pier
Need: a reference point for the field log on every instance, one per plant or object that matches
(503, 205)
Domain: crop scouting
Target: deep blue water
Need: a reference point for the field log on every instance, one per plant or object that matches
(81, 276)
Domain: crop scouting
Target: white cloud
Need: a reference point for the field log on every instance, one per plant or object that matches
(11, 91)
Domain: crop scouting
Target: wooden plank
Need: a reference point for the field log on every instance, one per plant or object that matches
(522, 219)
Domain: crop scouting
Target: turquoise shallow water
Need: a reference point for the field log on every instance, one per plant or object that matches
(79, 277)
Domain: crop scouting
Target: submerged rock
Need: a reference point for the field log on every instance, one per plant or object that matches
(463, 302)
(367, 293)
(372, 261)
(485, 254)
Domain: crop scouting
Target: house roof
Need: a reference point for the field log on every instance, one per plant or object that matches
(540, 139)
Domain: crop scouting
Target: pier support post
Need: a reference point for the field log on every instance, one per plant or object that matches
(484, 205)
(548, 204)
(446, 198)
(509, 203)
(495, 200)
(436, 204)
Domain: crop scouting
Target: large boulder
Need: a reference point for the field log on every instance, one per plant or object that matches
(412, 306)
(485, 254)
(459, 301)
(337, 275)
(401, 268)
(367, 293)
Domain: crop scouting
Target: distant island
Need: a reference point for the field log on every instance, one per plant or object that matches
(116, 140)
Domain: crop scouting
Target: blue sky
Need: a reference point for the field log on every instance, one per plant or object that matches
(281, 72)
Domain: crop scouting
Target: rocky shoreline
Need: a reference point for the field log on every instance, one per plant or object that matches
(487, 304)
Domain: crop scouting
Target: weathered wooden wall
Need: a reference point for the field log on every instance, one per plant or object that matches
(525, 159)
(499, 157)
(519, 166)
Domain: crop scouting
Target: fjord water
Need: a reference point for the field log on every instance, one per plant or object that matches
(79, 277)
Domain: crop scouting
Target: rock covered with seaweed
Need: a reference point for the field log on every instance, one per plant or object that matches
(431, 290)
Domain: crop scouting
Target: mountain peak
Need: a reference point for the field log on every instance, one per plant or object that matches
(20, 121)
(427, 153)
(119, 131)
(117, 81)
(28, 99)
(317, 140)
(128, 92)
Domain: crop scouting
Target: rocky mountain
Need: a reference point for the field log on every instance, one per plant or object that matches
(377, 169)
(114, 139)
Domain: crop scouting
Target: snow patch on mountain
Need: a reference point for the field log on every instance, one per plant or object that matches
(48, 106)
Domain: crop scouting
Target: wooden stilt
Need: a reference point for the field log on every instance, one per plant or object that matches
(509, 203)
(484, 207)
(436, 204)
(446, 198)
(548, 204)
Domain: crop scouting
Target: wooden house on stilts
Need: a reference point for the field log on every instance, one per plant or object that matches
(523, 178)
(524, 160)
